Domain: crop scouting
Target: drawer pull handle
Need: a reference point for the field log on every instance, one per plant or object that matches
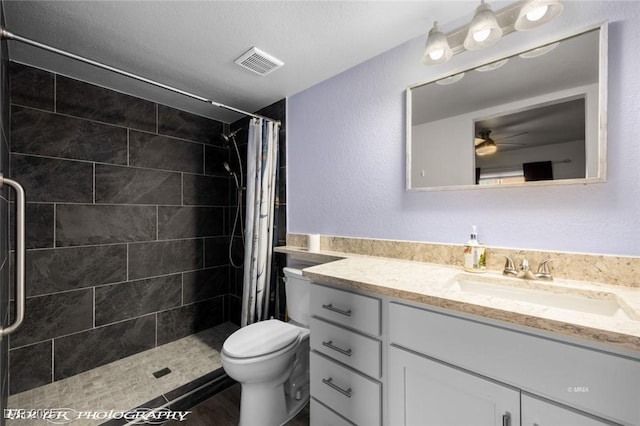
(330, 345)
(331, 308)
(329, 382)
(506, 419)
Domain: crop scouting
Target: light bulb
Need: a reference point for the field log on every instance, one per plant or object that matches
(436, 54)
(537, 13)
(481, 35)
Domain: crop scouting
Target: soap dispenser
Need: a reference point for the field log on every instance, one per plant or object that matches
(475, 255)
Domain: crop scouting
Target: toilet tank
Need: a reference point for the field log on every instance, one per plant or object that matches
(297, 290)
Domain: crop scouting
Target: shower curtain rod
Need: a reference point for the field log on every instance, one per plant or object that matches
(7, 35)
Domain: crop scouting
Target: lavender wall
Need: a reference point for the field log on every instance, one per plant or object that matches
(347, 155)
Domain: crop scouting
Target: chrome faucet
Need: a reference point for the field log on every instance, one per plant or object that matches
(524, 270)
(509, 267)
(544, 273)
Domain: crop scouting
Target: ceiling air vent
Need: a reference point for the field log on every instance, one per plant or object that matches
(258, 61)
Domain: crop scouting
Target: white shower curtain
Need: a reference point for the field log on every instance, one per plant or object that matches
(262, 159)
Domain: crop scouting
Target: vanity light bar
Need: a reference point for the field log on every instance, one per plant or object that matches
(507, 18)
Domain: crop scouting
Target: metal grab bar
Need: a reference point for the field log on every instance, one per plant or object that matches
(20, 253)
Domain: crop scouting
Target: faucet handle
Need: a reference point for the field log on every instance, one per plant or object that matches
(509, 267)
(544, 273)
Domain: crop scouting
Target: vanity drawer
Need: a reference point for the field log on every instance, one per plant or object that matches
(352, 395)
(348, 309)
(357, 351)
(323, 416)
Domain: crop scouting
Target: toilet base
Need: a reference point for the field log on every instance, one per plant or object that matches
(261, 404)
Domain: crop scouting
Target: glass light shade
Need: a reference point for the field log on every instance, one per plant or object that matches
(483, 30)
(487, 145)
(534, 53)
(493, 65)
(534, 13)
(486, 148)
(450, 80)
(437, 49)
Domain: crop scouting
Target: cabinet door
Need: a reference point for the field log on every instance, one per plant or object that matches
(536, 412)
(426, 392)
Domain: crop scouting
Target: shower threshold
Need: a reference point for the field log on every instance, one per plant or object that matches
(189, 370)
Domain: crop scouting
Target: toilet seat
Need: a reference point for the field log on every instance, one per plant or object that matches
(261, 339)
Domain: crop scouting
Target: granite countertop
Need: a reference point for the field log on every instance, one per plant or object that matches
(436, 285)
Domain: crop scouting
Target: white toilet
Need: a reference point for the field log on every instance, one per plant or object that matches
(271, 360)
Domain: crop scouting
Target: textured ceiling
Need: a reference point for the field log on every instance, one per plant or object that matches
(192, 45)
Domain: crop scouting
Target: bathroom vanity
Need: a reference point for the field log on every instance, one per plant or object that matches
(405, 343)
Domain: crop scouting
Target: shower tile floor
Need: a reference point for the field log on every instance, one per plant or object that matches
(129, 382)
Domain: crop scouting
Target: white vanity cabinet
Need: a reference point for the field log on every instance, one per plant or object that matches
(425, 392)
(536, 412)
(477, 363)
(346, 357)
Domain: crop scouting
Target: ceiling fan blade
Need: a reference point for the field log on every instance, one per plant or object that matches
(511, 136)
(510, 144)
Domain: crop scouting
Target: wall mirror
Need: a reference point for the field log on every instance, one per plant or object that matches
(534, 118)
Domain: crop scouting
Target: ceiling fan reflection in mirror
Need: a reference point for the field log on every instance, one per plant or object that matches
(485, 145)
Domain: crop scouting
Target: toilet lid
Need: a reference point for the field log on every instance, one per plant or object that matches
(260, 339)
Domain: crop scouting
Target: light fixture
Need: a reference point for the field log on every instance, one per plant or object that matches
(487, 146)
(450, 80)
(487, 27)
(534, 53)
(483, 30)
(493, 65)
(437, 50)
(537, 12)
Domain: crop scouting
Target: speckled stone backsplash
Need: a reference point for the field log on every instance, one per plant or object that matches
(617, 270)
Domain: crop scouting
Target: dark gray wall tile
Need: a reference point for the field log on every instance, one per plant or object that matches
(205, 284)
(215, 157)
(39, 225)
(61, 269)
(55, 315)
(185, 320)
(52, 135)
(216, 251)
(4, 212)
(235, 309)
(236, 280)
(4, 374)
(30, 367)
(162, 152)
(164, 257)
(205, 190)
(282, 186)
(53, 180)
(181, 124)
(4, 236)
(126, 185)
(108, 344)
(132, 299)
(85, 100)
(31, 86)
(190, 222)
(78, 224)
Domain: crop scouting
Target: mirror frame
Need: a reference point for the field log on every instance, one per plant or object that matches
(602, 119)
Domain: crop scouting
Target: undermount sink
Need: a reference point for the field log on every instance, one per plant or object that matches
(597, 303)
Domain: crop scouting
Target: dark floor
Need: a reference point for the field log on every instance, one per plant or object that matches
(223, 409)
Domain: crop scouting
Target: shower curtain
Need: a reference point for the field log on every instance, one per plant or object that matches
(262, 164)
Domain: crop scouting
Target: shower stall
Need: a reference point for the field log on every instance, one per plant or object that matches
(130, 219)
